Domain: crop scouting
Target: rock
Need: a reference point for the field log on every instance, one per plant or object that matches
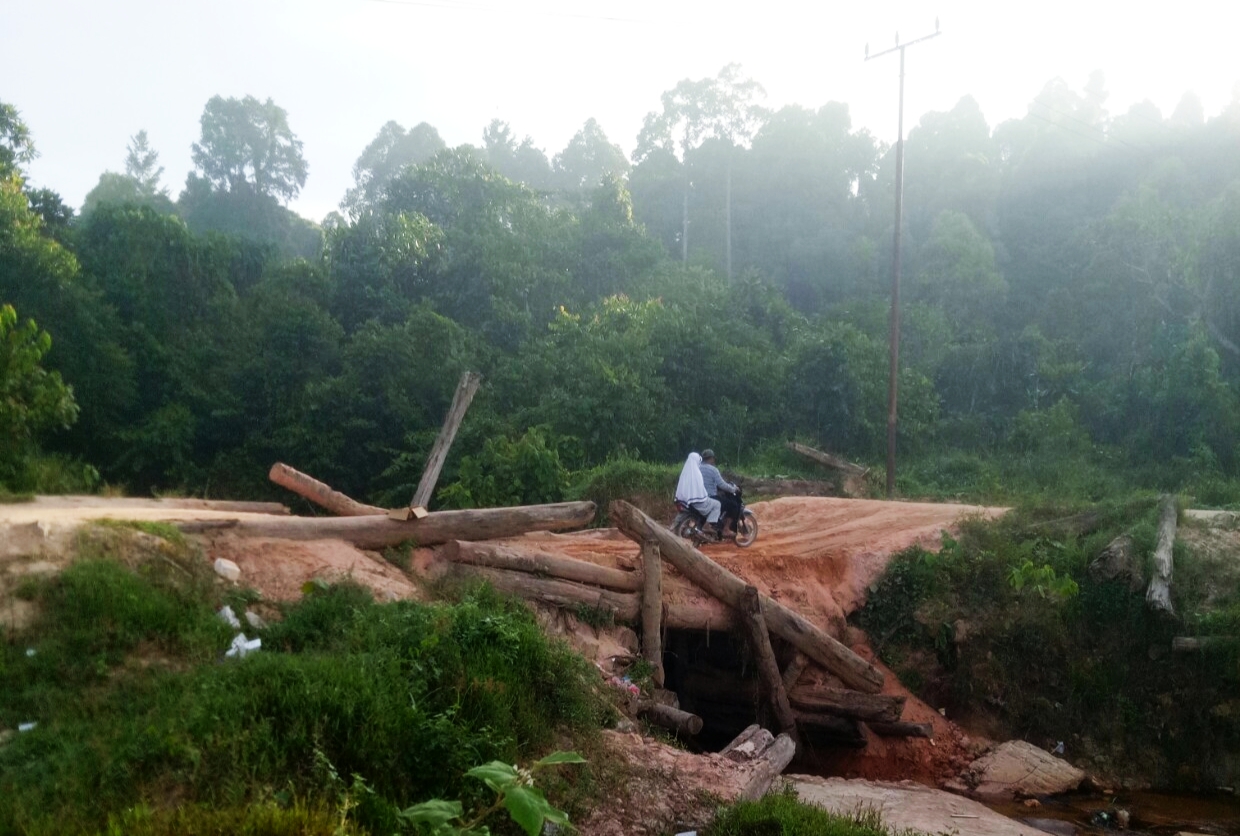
(1056, 826)
(1122, 819)
(1118, 562)
(961, 631)
(1017, 769)
(227, 570)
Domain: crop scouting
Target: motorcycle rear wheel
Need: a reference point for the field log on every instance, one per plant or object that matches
(746, 529)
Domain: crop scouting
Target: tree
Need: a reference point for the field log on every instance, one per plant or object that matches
(520, 162)
(248, 145)
(16, 146)
(140, 164)
(387, 155)
(32, 399)
(588, 158)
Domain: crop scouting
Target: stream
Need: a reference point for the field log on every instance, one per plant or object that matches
(1157, 813)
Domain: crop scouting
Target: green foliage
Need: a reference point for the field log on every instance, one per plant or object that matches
(525, 471)
(262, 819)
(782, 813)
(404, 696)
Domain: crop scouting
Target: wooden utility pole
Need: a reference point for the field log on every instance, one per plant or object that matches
(894, 370)
(465, 391)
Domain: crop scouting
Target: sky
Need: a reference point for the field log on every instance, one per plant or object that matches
(88, 74)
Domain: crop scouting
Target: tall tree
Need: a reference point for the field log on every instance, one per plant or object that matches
(248, 145)
(142, 164)
(392, 149)
(588, 158)
(16, 146)
(521, 162)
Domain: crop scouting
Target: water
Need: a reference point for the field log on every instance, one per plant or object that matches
(1151, 812)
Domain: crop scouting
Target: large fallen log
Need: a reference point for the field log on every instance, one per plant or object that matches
(748, 745)
(652, 611)
(827, 459)
(839, 730)
(672, 719)
(902, 729)
(1186, 644)
(768, 668)
(817, 698)
(320, 494)
(1158, 595)
(728, 588)
(376, 532)
(499, 556)
(120, 503)
(774, 761)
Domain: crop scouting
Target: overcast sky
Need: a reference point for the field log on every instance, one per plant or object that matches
(88, 74)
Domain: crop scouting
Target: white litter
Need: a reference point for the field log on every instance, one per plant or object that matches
(30, 651)
(25, 727)
(227, 570)
(229, 617)
(255, 620)
(242, 647)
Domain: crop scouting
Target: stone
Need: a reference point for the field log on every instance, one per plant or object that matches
(1118, 562)
(1017, 769)
(227, 570)
(1055, 826)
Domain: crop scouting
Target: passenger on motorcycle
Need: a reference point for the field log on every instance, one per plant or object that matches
(691, 490)
(723, 491)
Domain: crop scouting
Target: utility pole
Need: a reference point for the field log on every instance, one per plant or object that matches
(894, 372)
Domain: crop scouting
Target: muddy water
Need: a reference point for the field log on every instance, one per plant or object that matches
(1151, 812)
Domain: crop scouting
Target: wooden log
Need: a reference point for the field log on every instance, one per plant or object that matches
(1185, 644)
(622, 606)
(794, 670)
(465, 391)
(827, 459)
(376, 532)
(840, 730)
(902, 729)
(118, 504)
(768, 668)
(707, 616)
(320, 494)
(728, 588)
(774, 761)
(556, 566)
(652, 610)
(749, 744)
(841, 703)
(672, 719)
(1158, 594)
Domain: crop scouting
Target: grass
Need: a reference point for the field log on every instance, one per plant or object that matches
(783, 814)
(1092, 667)
(648, 485)
(136, 710)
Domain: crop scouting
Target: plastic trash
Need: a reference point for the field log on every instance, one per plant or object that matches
(255, 620)
(1058, 750)
(242, 647)
(227, 570)
(30, 651)
(229, 617)
(25, 727)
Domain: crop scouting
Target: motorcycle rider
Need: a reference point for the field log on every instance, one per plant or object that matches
(691, 490)
(724, 492)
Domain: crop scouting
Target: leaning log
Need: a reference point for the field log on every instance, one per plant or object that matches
(499, 556)
(728, 588)
(376, 532)
(881, 708)
(652, 611)
(672, 719)
(774, 761)
(1158, 595)
(748, 745)
(439, 452)
(794, 670)
(902, 729)
(320, 494)
(827, 459)
(768, 668)
(839, 730)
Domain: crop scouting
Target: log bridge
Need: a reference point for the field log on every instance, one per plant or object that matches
(847, 716)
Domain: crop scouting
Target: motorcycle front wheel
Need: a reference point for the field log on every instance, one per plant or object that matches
(684, 526)
(746, 529)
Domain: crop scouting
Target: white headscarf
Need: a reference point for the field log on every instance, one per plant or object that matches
(690, 487)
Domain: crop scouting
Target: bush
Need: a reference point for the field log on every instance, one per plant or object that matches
(783, 814)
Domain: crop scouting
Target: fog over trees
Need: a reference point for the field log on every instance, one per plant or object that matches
(1072, 298)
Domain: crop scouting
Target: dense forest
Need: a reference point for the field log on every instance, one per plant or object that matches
(1071, 316)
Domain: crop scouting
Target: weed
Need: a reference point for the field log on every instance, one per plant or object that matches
(783, 813)
(157, 528)
(595, 616)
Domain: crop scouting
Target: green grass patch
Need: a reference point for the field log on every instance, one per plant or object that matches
(137, 708)
(156, 528)
(648, 485)
(783, 814)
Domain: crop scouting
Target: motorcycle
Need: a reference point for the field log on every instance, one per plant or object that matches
(690, 524)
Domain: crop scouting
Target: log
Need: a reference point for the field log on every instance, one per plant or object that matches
(840, 730)
(672, 719)
(748, 745)
(707, 616)
(728, 588)
(376, 532)
(1185, 644)
(768, 668)
(652, 611)
(827, 459)
(439, 453)
(1158, 594)
(623, 607)
(774, 761)
(120, 503)
(794, 670)
(556, 566)
(902, 729)
(881, 708)
(320, 494)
